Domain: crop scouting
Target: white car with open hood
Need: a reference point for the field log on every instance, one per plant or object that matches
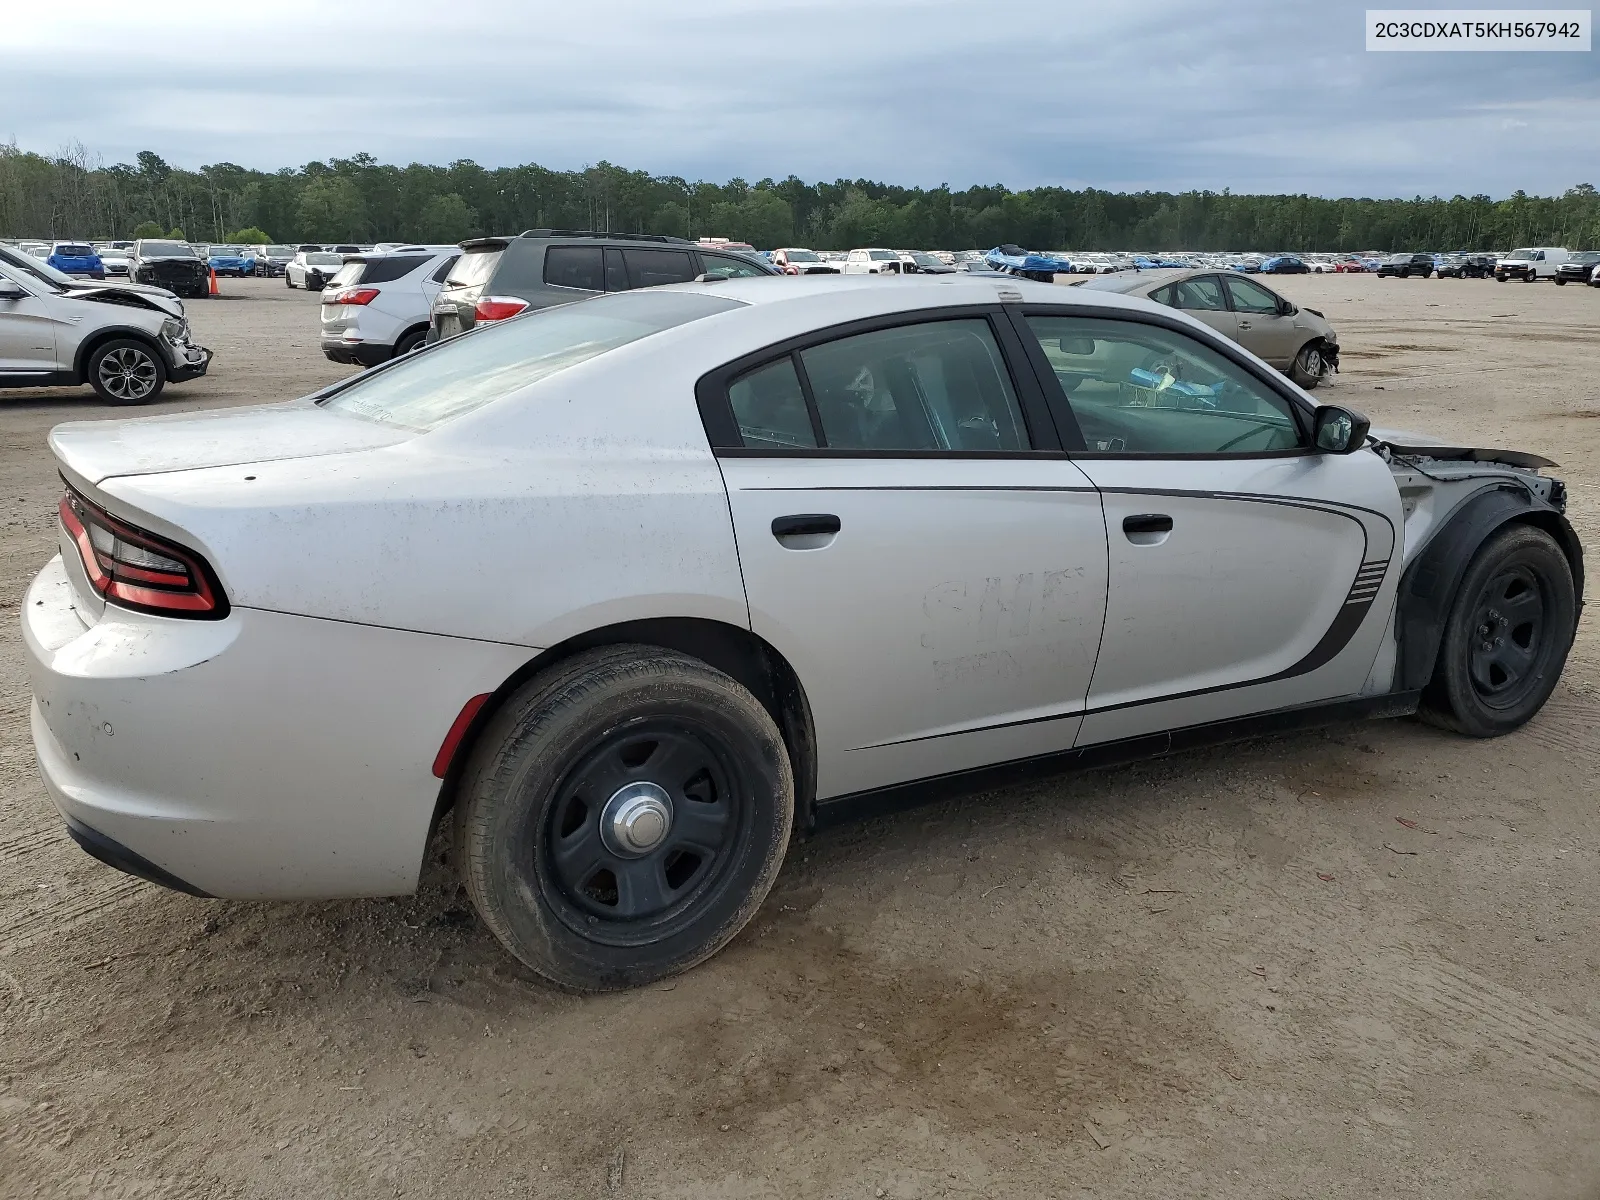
(629, 588)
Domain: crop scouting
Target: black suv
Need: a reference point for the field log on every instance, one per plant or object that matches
(1579, 266)
(499, 277)
(1404, 265)
(171, 265)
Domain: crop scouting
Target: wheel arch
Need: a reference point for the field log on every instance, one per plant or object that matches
(1430, 582)
(87, 348)
(731, 649)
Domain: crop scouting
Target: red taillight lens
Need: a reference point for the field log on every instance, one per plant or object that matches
(351, 296)
(137, 569)
(498, 308)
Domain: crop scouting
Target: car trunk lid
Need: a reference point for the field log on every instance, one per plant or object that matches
(94, 451)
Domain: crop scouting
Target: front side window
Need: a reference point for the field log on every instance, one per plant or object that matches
(1141, 389)
(423, 391)
(651, 268)
(575, 267)
(1252, 298)
(935, 386)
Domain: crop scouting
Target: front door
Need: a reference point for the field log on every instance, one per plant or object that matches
(935, 577)
(1247, 571)
(1264, 327)
(27, 330)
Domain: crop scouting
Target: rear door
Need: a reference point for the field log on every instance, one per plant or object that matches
(1262, 325)
(1247, 571)
(914, 542)
(1204, 299)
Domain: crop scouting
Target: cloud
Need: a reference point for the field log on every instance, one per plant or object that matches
(1163, 95)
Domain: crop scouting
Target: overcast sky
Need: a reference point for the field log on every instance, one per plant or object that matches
(1256, 95)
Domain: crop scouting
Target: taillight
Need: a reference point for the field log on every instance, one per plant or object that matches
(351, 296)
(497, 308)
(137, 569)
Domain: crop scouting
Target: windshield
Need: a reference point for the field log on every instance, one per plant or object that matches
(424, 391)
(799, 256)
(927, 260)
(1586, 256)
(280, 251)
(35, 267)
(166, 250)
(324, 260)
(1523, 253)
(225, 252)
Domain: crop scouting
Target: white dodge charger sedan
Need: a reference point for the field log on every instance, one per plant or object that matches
(629, 589)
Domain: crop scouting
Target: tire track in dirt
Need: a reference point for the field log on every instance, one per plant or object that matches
(81, 905)
(20, 845)
(1471, 1010)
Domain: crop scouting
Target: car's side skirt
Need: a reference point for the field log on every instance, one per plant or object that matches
(859, 805)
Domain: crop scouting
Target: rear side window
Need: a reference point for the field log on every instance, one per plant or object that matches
(770, 407)
(649, 268)
(386, 270)
(422, 391)
(729, 267)
(935, 386)
(574, 267)
(473, 268)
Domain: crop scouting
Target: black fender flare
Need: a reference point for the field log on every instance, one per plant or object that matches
(80, 365)
(1429, 585)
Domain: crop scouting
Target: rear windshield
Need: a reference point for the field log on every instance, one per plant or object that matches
(166, 250)
(347, 275)
(473, 268)
(423, 391)
(73, 250)
(324, 260)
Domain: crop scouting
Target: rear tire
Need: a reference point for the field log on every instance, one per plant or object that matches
(1506, 638)
(126, 371)
(540, 804)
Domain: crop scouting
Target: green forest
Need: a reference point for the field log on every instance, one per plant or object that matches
(72, 194)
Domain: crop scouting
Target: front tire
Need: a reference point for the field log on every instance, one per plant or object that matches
(1308, 366)
(125, 371)
(612, 736)
(410, 342)
(1506, 638)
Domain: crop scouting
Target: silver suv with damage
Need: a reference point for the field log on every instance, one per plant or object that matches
(127, 344)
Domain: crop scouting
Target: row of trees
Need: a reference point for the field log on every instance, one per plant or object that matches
(73, 194)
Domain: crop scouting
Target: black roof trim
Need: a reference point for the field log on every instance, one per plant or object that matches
(593, 233)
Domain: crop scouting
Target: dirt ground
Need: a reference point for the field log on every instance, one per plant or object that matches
(1359, 962)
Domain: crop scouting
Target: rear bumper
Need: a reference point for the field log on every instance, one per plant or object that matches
(361, 354)
(262, 756)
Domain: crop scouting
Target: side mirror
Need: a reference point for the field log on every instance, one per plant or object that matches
(1339, 430)
(10, 291)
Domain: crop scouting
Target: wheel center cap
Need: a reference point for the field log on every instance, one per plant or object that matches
(636, 819)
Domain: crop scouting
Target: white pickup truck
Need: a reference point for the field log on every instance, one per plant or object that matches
(873, 261)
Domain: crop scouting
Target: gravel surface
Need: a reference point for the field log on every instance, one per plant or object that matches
(1357, 962)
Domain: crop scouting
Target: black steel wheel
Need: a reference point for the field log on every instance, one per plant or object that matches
(1507, 636)
(125, 371)
(623, 816)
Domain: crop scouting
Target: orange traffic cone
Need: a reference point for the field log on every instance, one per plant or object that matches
(214, 290)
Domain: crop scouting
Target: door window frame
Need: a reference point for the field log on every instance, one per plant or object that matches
(1059, 405)
(722, 427)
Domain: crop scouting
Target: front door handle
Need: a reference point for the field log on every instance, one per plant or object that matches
(1147, 523)
(1244, 324)
(805, 525)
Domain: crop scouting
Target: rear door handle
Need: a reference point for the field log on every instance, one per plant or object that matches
(805, 524)
(1244, 324)
(1147, 523)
